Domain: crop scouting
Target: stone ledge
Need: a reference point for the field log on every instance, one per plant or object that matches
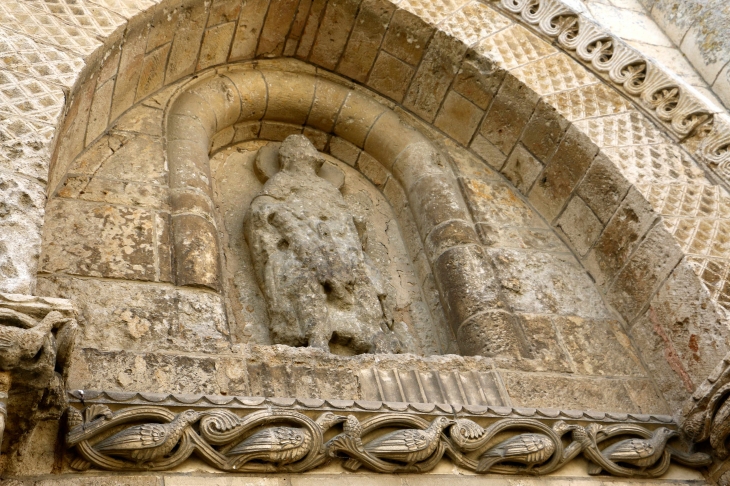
(118, 398)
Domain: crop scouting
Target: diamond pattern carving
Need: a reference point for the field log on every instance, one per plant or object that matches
(624, 129)
(700, 237)
(514, 46)
(702, 201)
(473, 22)
(80, 13)
(30, 98)
(432, 12)
(698, 216)
(19, 16)
(715, 274)
(588, 101)
(25, 146)
(650, 164)
(554, 73)
(125, 8)
(21, 53)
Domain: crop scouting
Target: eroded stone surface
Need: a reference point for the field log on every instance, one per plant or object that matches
(119, 315)
(99, 240)
(308, 253)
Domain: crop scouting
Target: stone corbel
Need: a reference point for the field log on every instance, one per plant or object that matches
(706, 417)
(36, 337)
(122, 431)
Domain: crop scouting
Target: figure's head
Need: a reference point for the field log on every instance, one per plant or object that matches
(665, 432)
(297, 154)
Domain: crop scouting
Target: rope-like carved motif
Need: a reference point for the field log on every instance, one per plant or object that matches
(153, 438)
(668, 100)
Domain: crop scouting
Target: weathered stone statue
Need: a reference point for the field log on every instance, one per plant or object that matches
(319, 285)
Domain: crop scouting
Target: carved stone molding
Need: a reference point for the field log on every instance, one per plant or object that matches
(669, 100)
(36, 333)
(706, 418)
(36, 337)
(124, 431)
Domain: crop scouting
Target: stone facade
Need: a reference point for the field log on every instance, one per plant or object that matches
(516, 215)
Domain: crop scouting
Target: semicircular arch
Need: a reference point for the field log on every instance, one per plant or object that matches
(574, 145)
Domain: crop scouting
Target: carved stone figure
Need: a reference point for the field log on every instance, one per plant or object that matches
(409, 445)
(706, 416)
(320, 286)
(528, 449)
(36, 335)
(21, 337)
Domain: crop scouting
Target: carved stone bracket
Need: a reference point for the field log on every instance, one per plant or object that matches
(706, 418)
(134, 431)
(36, 337)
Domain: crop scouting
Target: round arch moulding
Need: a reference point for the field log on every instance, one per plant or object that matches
(201, 118)
(450, 62)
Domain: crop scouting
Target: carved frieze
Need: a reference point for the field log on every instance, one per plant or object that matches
(128, 431)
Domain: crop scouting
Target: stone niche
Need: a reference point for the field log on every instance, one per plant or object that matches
(145, 234)
(236, 184)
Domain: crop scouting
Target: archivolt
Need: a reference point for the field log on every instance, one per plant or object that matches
(465, 78)
(211, 111)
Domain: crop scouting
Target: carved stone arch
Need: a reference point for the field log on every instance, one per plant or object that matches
(639, 143)
(201, 118)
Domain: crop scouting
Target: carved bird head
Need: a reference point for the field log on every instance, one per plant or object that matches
(464, 431)
(328, 420)
(580, 435)
(561, 427)
(664, 434)
(442, 422)
(188, 417)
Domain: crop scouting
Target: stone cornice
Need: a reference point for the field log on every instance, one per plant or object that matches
(123, 398)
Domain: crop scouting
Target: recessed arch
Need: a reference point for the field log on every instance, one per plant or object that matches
(503, 106)
(241, 94)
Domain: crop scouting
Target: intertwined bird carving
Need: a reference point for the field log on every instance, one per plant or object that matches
(409, 445)
(148, 442)
(641, 453)
(24, 337)
(280, 445)
(530, 449)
